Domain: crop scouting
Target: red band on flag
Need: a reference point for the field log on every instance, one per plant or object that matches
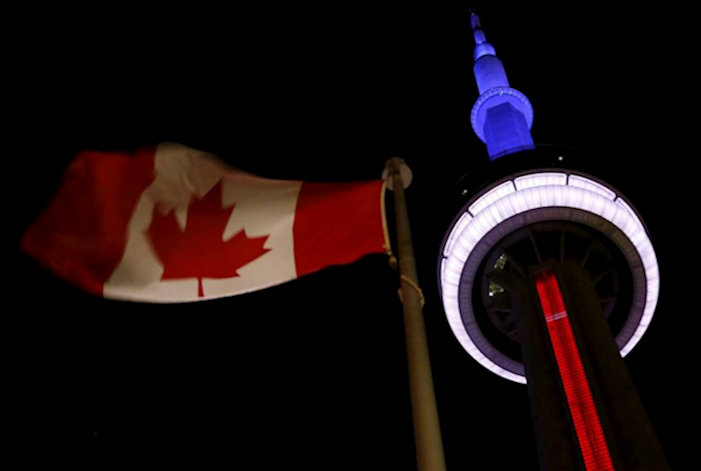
(337, 223)
(82, 233)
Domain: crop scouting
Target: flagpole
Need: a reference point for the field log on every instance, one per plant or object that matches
(427, 433)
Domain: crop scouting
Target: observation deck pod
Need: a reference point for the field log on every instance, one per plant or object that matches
(528, 210)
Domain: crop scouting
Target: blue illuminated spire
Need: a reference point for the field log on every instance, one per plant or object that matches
(502, 116)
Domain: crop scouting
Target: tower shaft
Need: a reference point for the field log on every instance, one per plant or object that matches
(587, 414)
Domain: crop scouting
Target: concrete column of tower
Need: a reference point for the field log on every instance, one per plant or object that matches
(629, 432)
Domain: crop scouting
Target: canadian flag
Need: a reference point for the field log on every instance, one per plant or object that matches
(171, 224)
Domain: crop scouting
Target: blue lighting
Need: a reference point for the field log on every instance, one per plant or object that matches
(502, 116)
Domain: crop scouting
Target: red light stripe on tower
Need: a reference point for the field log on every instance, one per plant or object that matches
(579, 398)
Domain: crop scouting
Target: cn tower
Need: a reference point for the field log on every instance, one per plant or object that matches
(549, 277)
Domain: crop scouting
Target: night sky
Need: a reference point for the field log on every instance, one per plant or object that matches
(312, 374)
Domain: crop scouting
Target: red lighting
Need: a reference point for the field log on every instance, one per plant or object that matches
(579, 398)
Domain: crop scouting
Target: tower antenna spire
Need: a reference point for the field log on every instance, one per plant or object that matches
(502, 116)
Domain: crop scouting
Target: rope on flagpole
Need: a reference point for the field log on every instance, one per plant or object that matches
(416, 287)
(385, 227)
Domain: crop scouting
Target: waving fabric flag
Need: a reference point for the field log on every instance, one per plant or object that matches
(172, 224)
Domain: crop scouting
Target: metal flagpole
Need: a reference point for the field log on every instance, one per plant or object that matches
(427, 433)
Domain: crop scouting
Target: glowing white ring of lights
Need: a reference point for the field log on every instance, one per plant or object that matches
(526, 193)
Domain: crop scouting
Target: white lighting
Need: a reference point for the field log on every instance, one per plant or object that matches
(540, 179)
(459, 226)
(581, 182)
(525, 193)
(492, 195)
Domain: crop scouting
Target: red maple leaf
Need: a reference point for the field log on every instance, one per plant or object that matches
(200, 250)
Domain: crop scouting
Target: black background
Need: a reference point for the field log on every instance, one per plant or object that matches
(312, 374)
